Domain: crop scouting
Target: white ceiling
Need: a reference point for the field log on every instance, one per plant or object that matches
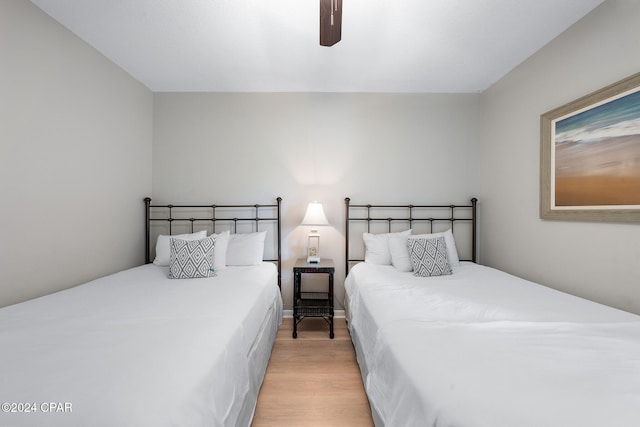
(273, 45)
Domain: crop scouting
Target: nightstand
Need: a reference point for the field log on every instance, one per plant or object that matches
(312, 304)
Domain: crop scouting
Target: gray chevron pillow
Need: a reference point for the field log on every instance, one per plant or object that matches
(191, 259)
(429, 257)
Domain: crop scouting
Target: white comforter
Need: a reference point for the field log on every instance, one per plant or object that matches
(139, 349)
(484, 348)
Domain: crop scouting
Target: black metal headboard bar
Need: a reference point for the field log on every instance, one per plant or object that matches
(452, 218)
(170, 219)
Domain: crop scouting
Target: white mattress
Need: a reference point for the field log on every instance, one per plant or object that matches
(139, 349)
(484, 348)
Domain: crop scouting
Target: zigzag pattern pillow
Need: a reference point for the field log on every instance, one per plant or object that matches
(191, 259)
(429, 257)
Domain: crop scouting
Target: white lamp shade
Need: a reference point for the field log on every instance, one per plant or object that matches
(315, 215)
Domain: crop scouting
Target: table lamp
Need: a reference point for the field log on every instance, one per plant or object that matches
(314, 217)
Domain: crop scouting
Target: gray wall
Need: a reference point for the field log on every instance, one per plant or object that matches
(75, 158)
(76, 138)
(594, 260)
(314, 146)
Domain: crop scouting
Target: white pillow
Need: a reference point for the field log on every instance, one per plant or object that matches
(377, 247)
(246, 249)
(220, 251)
(400, 253)
(162, 245)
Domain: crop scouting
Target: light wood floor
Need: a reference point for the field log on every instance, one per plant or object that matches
(312, 380)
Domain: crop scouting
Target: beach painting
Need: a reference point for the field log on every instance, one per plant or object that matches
(597, 155)
(590, 156)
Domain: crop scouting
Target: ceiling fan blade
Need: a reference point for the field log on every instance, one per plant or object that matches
(330, 22)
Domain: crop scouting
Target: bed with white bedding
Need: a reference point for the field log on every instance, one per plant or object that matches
(480, 347)
(138, 348)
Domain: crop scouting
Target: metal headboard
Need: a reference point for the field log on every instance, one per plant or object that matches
(410, 215)
(211, 215)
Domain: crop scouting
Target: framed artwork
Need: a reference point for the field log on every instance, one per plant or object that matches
(590, 156)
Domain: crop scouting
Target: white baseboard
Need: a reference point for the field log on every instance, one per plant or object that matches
(288, 314)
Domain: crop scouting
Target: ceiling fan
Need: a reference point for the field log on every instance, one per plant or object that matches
(330, 22)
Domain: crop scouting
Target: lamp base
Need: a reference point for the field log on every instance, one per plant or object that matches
(313, 259)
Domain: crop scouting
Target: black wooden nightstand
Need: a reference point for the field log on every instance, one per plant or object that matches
(312, 304)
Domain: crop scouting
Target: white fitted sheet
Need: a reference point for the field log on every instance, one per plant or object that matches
(138, 349)
(485, 348)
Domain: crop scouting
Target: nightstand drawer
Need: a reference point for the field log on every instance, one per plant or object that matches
(315, 305)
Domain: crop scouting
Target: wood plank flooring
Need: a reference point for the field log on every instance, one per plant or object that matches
(313, 381)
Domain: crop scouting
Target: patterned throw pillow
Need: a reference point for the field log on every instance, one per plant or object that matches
(191, 259)
(429, 257)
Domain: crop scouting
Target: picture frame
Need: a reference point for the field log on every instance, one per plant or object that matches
(590, 156)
